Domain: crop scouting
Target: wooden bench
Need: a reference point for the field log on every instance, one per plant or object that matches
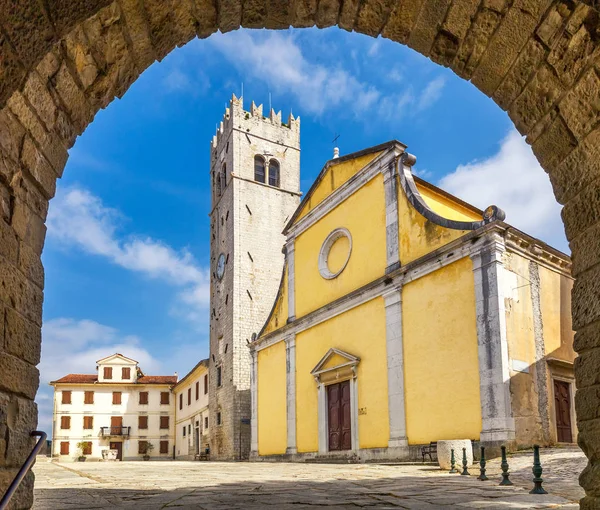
(429, 450)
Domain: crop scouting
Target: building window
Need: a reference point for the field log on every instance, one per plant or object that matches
(218, 377)
(125, 373)
(143, 397)
(224, 176)
(65, 422)
(64, 447)
(274, 173)
(164, 447)
(217, 183)
(164, 397)
(164, 422)
(142, 447)
(259, 169)
(86, 448)
(66, 397)
(142, 422)
(197, 390)
(180, 401)
(88, 397)
(107, 372)
(88, 422)
(219, 418)
(116, 398)
(189, 396)
(205, 384)
(184, 431)
(206, 422)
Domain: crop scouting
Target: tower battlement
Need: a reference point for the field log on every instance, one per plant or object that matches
(236, 117)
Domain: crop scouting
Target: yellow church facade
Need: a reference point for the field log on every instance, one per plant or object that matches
(406, 316)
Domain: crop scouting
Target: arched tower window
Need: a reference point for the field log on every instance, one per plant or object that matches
(217, 183)
(259, 169)
(274, 173)
(224, 176)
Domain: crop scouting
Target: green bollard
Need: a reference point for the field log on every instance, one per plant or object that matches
(464, 471)
(452, 462)
(537, 473)
(482, 476)
(504, 466)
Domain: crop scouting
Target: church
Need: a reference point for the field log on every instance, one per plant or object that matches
(406, 316)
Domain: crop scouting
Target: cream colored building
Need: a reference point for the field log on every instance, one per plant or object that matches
(118, 408)
(191, 413)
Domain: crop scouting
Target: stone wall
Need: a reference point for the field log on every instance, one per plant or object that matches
(61, 61)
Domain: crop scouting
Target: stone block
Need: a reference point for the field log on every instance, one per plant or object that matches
(23, 338)
(137, 32)
(12, 134)
(459, 17)
(9, 244)
(586, 298)
(586, 250)
(39, 168)
(553, 21)
(536, 100)
(581, 106)
(23, 497)
(27, 192)
(445, 48)
(229, 15)
(20, 416)
(586, 405)
(79, 53)
(39, 97)
(19, 293)
(18, 377)
(588, 432)
(279, 13)
(444, 453)
(73, 98)
(580, 212)
(66, 14)
(527, 62)
(50, 63)
(554, 144)
(254, 13)
(401, 20)
(327, 13)
(372, 16)
(30, 265)
(11, 71)
(305, 12)
(473, 47)
(426, 28)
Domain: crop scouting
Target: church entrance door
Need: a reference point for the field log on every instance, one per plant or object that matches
(562, 403)
(338, 406)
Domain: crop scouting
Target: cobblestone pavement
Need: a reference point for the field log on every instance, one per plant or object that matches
(219, 485)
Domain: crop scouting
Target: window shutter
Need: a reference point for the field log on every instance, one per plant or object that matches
(197, 390)
(66, 397)
(189, 396)
(65, 422)
(107, 372)
(116, 397)
(88, 422)
(88, 397)
(180, 401)
(125, 373)
(205, 384)
(143, 397)
(64, 447)
(87, 448)
(164, 422)
(164, 397)
(142, 447)
(164, 447)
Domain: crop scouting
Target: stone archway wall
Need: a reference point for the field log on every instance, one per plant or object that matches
(63, 60)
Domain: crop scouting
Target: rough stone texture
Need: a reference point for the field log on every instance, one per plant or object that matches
(61, 61)
(444, 453)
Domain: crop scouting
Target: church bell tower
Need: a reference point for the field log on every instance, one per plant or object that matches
(255, 176)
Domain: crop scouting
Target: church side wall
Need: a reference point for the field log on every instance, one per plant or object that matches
(441, 367)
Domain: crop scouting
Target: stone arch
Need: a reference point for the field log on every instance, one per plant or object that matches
(61, 61)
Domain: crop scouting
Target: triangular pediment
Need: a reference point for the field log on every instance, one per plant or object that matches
(118, 359)
(334, 360)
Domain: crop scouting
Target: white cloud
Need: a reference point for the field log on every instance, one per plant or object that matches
(513, 180)
(278, 60)
(79, 218)
(176, 81)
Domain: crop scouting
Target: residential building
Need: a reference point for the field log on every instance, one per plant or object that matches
(117, 408)
(404, 316)
(255, 175)
(191, 413)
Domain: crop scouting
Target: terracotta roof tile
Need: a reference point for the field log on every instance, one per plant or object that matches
(93, 378)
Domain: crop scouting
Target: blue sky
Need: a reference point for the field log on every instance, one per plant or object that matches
(127, 246)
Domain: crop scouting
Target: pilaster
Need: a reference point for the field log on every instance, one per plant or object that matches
(395, 368)
(254, 405)
(496, 411)
(290, 250)
(290, 359)
(391, 218)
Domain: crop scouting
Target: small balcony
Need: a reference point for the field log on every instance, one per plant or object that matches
(114, 431)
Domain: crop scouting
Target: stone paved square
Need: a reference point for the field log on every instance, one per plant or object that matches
(220, 485)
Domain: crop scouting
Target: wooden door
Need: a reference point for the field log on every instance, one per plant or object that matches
(338, 406)
(117, 445)
(116, 424)
(197, 441)
(562, 404)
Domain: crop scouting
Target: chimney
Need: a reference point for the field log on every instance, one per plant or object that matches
(336, 152)
(177, 375)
